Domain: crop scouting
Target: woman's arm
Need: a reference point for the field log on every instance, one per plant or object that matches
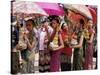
(91, 38)
(30, 46)
(61, 42)
(80, 43)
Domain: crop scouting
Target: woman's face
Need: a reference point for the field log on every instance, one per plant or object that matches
(29, 26)
(65, 27)
(54, 24)
(90, 23)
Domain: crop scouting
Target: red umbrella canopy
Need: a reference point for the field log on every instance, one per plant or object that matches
(75, 16)
(94, 14)
(51, 8)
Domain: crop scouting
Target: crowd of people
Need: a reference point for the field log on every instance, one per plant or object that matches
(56, 43)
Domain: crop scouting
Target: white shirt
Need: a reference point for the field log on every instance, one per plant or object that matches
(41, 37)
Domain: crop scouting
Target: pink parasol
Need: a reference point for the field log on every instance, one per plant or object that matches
(51, 8)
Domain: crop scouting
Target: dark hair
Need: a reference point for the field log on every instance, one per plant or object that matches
(54, 17)
(32, 21)
(89, 20)
(82, 21)
(57, 20)
(62, 26)
(66, 11)
(21, 24)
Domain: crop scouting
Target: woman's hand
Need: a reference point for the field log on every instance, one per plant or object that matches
(46, 41)
(25, 37)
(71, 46)
(19, 47)
(55, 49)
(74, 36)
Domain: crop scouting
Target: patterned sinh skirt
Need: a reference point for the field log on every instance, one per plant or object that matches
(28, 62)
(65, 58)
(44, 60)
(65, 62)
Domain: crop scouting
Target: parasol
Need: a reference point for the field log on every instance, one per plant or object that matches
(27, 7)
(81, 9)
(94, 14)
(51, 8)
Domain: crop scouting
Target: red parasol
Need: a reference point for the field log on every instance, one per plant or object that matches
(94, 14)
